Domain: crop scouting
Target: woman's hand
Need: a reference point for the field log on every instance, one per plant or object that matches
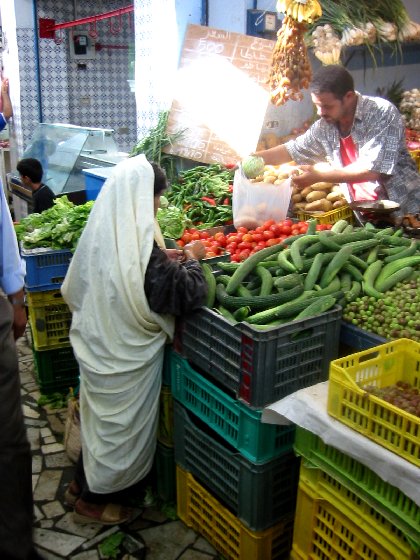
(175, 254)
(195, 250)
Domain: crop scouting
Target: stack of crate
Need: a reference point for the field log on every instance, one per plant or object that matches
(56, 367)
(164, 463)
(236, 476)
(344, 509)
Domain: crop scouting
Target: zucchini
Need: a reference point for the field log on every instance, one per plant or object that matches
(345, 281)
(266, 280)
(348, 229)
(226, 313)
(314, 271)
(228, 267)
(356, 235)
(256, 303)
(313, 249)
(399, 276)
(327, 239)
(241, 314)
(288, 281)
(248, 266)
(332, 287)
(281, 311)
(394, 241)
(283, 261)
(385, 232)
(339, 226)
(369, 277)
(297, 248)
(211, 284)
(316, 307)
(354, 271)
(335, 265)
(354, 292)
(373, 255)
(394, 266)
(311, 226)
(403, 252)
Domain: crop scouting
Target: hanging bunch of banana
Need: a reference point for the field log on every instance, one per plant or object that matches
(300, 10)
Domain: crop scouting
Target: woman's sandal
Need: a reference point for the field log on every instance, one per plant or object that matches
(72, 493)
(104, 514)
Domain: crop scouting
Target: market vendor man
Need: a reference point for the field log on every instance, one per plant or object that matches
(361, 138)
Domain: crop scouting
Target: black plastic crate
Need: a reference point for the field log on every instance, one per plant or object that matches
(258, 494)
(261, 367)
(357, 338)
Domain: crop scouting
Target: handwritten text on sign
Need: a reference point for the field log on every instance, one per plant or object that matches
(221, 95)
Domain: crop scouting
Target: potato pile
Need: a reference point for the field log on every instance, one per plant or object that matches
(319, 197)
(275, 174)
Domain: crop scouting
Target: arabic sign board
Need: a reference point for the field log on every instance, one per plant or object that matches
(222, 99)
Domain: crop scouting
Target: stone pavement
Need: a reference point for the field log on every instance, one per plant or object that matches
(152, 535)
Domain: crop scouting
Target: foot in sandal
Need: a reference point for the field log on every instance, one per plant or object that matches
(104, 514)
(72, 493)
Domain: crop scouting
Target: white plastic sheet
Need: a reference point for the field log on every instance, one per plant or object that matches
(308, 409)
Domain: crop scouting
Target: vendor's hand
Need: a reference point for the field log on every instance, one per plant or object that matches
(195, 250)
(305, 176)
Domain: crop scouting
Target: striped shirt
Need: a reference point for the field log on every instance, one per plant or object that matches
(379, 135)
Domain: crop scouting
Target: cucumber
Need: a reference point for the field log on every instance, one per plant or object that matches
(211, 284)
(316, 307)
(335, 265)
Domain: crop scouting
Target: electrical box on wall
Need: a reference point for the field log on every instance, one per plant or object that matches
(81, 46)
(261, 23)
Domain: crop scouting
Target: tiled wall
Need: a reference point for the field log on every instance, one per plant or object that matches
(97, 95)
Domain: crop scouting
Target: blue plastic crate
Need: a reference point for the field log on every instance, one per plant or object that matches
(357, 338)
(94, 180)
(45, 268)
(259, 494)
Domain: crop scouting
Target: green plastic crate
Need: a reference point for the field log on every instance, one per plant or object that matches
(56, 370)
(393, 504)
(258, 494)
(237, 423)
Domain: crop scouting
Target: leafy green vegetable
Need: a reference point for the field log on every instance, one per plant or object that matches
(172, 221)
(110, 547)
(157, 139)
(58, 227)
(54, 400)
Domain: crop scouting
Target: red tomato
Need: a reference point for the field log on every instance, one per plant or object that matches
(287, 222)
(273, 241)
(232, 238)
(247, 237)
(268, 234)
(180, 242)
(195, 236)
(267, 224)
(275, 228)
(244, 254)
(257, 237)
(210, 254)
(204, 235)
(241, 229)
(219, 236)
(235, 257)
(186, 238)
(244, 245)
(258, 229)
(285, 229)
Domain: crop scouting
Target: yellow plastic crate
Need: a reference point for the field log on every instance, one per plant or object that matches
(331, 217)
(50, 319)
(415, 154)
(332, 522)
(198, 509)
(384, 423)
(165, 432)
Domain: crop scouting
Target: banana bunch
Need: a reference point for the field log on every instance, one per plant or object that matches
(300, 10)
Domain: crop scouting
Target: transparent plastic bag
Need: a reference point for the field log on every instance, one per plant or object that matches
(255, 203)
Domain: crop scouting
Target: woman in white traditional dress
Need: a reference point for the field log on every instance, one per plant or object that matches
(124, 290)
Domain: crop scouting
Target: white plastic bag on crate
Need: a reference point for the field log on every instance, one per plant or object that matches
(255, 203)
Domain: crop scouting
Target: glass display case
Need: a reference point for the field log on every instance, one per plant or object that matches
(64, 150)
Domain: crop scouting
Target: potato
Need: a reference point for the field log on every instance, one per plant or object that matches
(299, 206)
(269, 178)
(322, 186)
(340, 203)
(334, 196)
(297, 197)
(304, 192)
(322, 205)
(315, 195)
